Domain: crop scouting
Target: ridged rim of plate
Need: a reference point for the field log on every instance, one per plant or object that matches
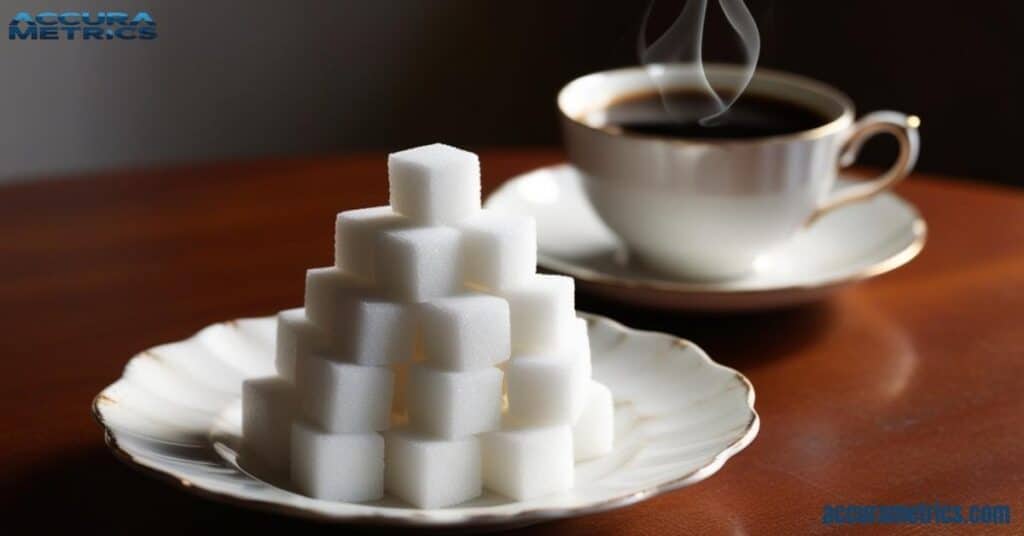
(519, 518)
(919, 229)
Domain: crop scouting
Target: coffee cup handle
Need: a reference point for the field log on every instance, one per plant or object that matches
(904, 128)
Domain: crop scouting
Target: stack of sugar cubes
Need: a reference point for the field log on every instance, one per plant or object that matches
(431, 361)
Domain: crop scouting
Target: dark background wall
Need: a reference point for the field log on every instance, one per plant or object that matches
(228, 80)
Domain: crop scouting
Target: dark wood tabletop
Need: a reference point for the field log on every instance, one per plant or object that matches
(904, 389)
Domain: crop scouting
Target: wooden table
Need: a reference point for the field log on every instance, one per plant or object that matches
(904, 389)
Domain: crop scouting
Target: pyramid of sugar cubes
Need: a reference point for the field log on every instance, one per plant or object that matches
(431, 361)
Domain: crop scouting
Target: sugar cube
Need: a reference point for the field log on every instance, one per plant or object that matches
(429, 472)
(337, 467)
(465, 332)
(454, 404)
(594, 431)
(375, 331)
(267, 414)
(544, 389)
(342, 397)
(434, 184)
(499, 250)
(296, 336)
(542, 311)
(325, 287)
(524, 463)
(419, 264)
(355, 234)
(362, 327)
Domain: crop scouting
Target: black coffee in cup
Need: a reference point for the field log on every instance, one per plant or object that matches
(675, 114)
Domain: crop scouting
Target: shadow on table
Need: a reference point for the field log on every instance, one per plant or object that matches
(740, 340)
(90, 491)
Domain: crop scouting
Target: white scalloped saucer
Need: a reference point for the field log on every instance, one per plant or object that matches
(679, 416)
(853, 243)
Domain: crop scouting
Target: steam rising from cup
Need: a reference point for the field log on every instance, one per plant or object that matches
(682, 43)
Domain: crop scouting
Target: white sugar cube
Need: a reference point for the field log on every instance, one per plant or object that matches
(429, 472)
(434, 184)
(453, 404)
(267, 415)
(337, 467)
(375, 331)
(296, 336)
(419, 264)
(594, 431)
(362, 327)
(325, 288)
(524, 463)
(544, 389)
(342, 397)
(465, 332)
(355, 234)
(499, 250)
(542, 310)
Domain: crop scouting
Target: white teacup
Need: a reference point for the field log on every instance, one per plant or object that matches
(708, 208)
